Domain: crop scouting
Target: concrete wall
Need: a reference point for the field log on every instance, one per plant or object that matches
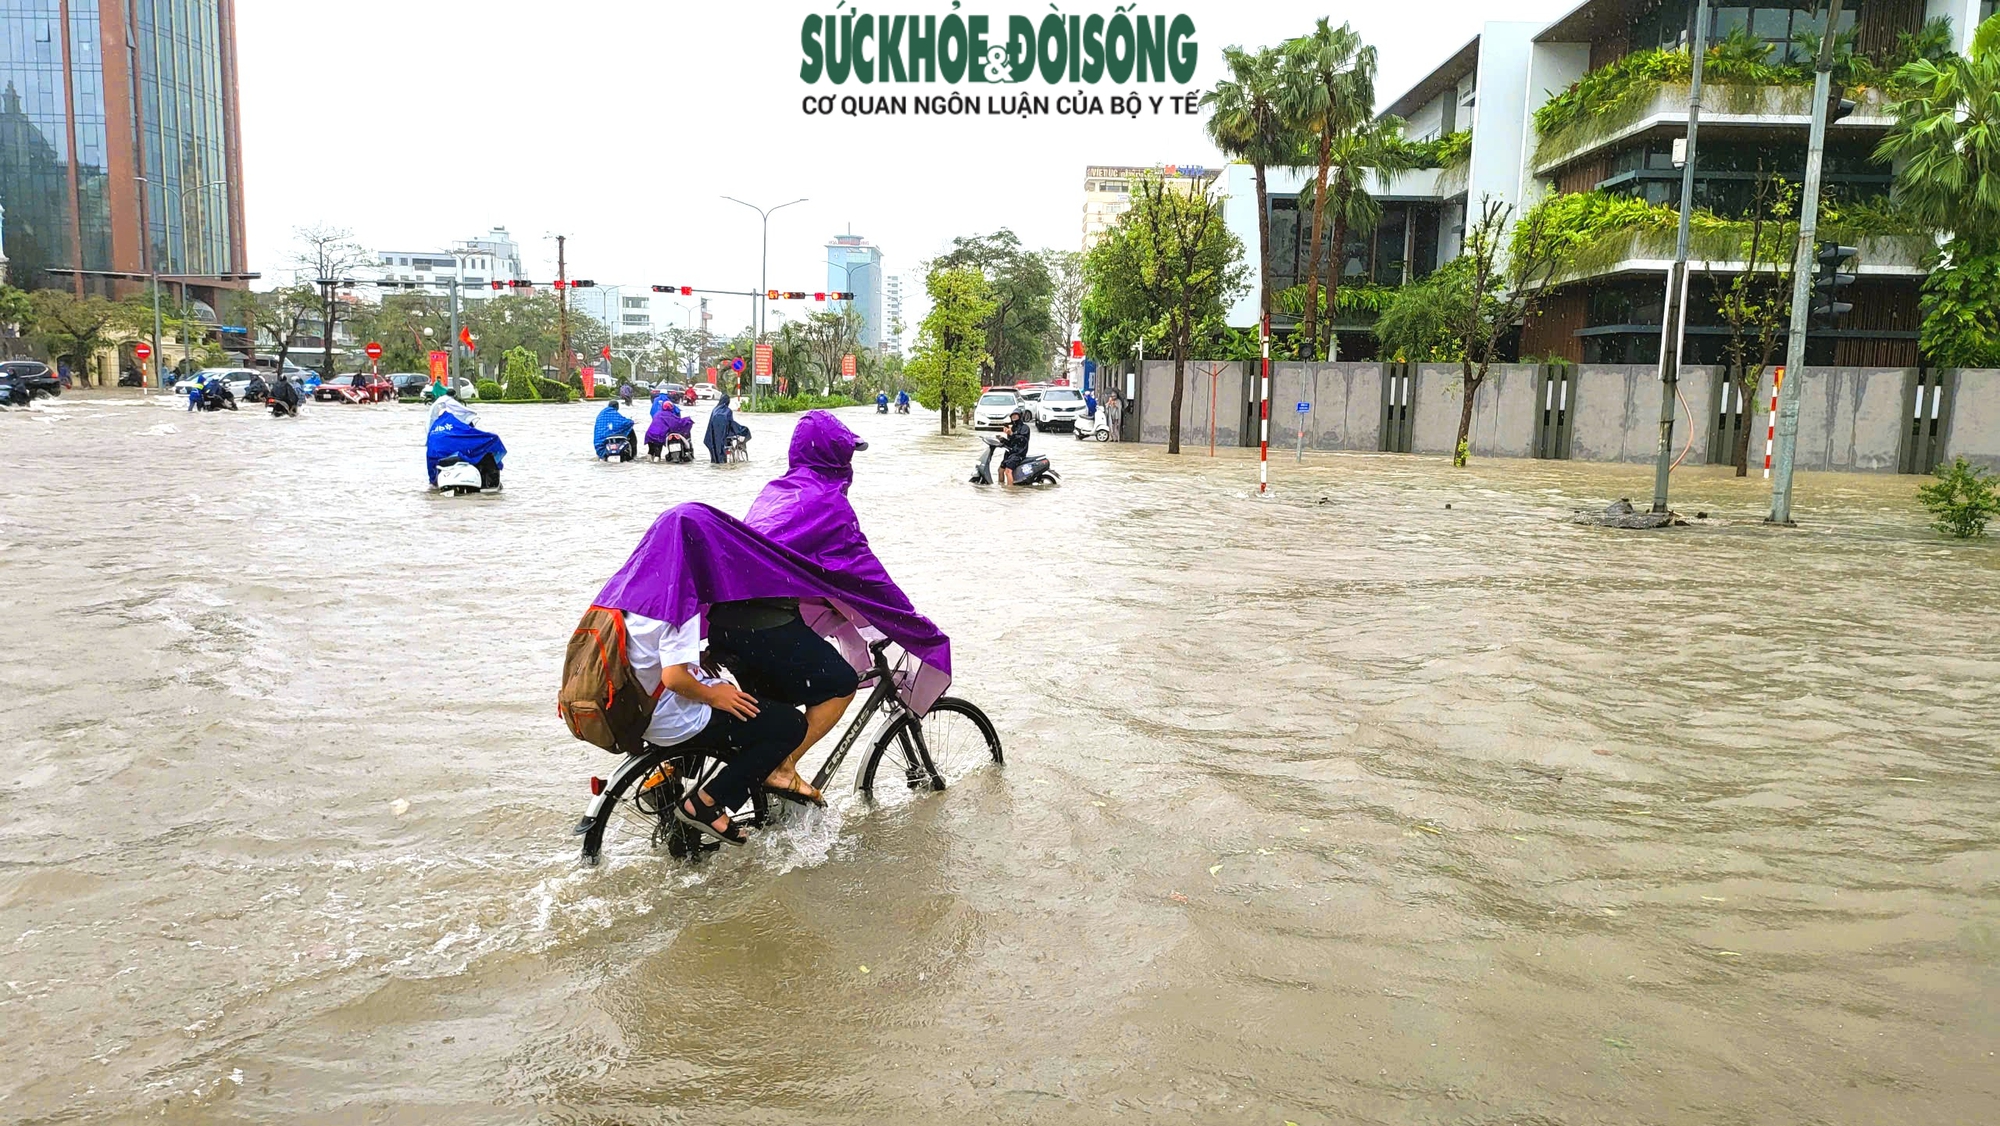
(1226, 390)
(1618, 413)
(1850, 419)
(1975, 418)
(1345, 401)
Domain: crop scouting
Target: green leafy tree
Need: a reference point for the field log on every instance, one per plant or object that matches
(1372, 146)
(1422, 321)
(80, 327)
(398, 325)
(1496, 287)
(1246, 121)
(17, 311)
(327, 254)
(1018, 282)
(1327, 92)
(1169, 263)
(950, 352)
(1961, 307)
(1962, 499)
(521, 370)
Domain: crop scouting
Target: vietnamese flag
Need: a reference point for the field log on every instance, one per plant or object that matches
(465, 337)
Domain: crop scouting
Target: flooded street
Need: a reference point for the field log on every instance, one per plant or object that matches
(1390, 798)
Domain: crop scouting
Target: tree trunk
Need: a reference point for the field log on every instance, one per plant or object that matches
(1263, 244)
(1472, 383)
(1740, 458)
(1311, 326)
(1180, 379)
(1339, 264)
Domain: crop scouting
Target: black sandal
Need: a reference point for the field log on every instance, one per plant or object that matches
(703, 820)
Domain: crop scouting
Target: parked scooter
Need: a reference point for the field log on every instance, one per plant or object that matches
(1097, 428)
(1036, 471)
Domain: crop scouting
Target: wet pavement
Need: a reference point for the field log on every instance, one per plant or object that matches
(1391, 797)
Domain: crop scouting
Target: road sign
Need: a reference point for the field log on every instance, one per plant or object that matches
(847, 366)
(374, 350)
(1304, 407)
(763, 355)
(736, 365)
(144, 351)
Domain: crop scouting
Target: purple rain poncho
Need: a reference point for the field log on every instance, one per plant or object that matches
(667, 419)
(695, 556)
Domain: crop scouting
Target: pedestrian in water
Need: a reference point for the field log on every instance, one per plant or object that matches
(1114, 411)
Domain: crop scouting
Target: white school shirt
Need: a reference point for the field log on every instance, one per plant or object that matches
(649, 646)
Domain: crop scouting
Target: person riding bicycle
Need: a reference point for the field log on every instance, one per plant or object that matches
(722, 426)
(1014, 439)
(698, 570)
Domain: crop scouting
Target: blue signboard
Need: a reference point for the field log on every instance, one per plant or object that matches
(1304, 407)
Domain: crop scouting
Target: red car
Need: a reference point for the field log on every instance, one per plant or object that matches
(356, 387)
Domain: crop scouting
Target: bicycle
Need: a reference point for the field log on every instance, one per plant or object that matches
(951, 740)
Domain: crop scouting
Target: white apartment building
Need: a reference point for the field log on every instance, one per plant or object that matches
(892, 305)
(475, 262)
(627, 310)
(1107, 192)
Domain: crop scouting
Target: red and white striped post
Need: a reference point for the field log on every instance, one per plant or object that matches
(1771, 426)
(1264, 439)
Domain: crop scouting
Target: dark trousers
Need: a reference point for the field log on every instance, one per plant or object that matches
(751, 748)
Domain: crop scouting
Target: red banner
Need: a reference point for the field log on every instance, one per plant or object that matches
(440, 366)
(589, 382)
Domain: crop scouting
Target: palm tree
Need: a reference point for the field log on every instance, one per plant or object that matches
(1946, 142)
(1372, 145)
(1245, 122)
(1328, 90)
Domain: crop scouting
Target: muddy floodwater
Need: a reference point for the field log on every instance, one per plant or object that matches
(1389, 798)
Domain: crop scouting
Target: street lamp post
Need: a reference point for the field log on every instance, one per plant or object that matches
(763, 274)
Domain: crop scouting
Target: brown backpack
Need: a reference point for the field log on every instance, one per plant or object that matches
(601, 698)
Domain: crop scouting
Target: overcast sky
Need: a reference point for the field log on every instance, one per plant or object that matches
(623, 123)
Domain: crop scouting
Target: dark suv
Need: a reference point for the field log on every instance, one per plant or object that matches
(22, 380)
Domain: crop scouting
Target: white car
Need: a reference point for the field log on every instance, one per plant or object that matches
(706, 392)
(1058, 408)
(237, 379)
(991, 412)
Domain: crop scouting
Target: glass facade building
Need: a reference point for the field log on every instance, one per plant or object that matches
(118, 141)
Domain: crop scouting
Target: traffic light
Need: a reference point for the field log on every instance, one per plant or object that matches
(683, 290)
(1837, 106)
(795, 295)
(770, 295)
(583, 284)
(499, 285)
(840, 297)
(520, 283)
(1828, 281)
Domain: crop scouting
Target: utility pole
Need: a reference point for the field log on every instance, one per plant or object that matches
(451, 348)
(1802, 276)
(562, 303)
(1673, 324)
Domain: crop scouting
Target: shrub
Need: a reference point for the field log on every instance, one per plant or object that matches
(793, 404)
(554, 390)
(1961, 500)
(489, 391)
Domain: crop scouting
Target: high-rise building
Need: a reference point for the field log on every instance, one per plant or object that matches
(120, 152)
(854, 265)
(893, 328)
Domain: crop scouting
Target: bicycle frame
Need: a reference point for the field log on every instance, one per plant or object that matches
(884, 696)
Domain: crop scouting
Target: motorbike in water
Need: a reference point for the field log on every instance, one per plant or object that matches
(458, 476)
(902, 407)
(677, 448)
(1035, 471)
(217, 397)
(618, 447)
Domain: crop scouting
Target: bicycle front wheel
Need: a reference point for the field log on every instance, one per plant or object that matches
(954, 739)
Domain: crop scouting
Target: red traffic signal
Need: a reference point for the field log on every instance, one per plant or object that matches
(520, 283)
(819, 297)
(770, 295)
(585, 283)
(683, 290)
(499, 285)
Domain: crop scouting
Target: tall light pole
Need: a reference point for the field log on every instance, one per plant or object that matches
(763, 274)
(1673, 322)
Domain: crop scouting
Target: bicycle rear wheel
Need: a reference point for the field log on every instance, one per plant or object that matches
(954, 739)
(638, 803)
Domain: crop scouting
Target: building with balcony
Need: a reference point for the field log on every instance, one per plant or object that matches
(1530, 130)
(892, 342)
(120, 153)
